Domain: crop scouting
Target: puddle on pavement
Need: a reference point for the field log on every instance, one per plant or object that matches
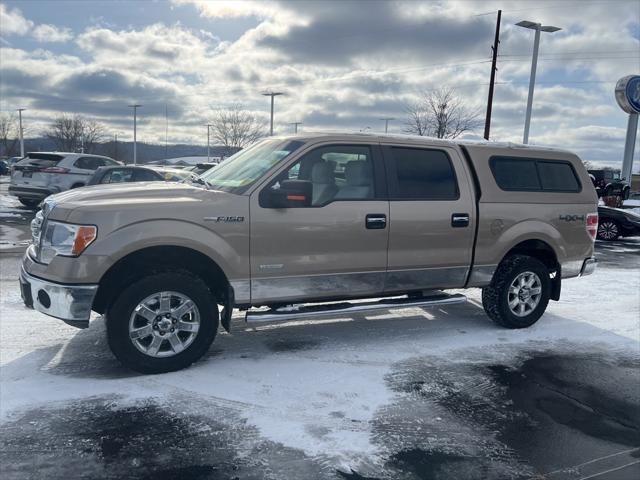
(97, 439)
(532, 415)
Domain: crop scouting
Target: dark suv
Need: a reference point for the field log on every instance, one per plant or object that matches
(609, 184)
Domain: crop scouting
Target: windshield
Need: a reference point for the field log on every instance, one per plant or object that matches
(237, 173)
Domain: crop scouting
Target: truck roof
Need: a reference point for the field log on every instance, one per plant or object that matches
(420, 139)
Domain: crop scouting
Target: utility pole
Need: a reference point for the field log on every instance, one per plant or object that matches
(135, 127)
(295, 126)
(115, 147)
(386, 123)
(496, 42)
(21, 133)
(208, 142)
(166, 131)
(272, 95)
(534, 64)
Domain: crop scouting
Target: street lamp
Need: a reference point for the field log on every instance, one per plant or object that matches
(534, 63)
(21, 132)
(135, 126)
(386, 123)
(208, 142)
(272, 95)
(295, 126)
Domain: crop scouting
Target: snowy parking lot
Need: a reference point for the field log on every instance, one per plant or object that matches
(410, 394)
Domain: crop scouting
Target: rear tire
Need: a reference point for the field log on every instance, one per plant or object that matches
(519, 292)
(28, 202)
(163, 322)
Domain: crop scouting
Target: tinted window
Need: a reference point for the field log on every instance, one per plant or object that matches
(423, 174)
(117, 175)
(88, 163)
(142, 175)
(515, 174)
(558, 176)
(533, 175)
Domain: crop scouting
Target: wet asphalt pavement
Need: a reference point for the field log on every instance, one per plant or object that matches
(559, 410)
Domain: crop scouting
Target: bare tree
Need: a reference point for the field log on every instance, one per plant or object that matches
(441, 114)
(9, 134)
(74, 132)
(235, 128)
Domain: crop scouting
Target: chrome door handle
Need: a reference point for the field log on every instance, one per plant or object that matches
(460, 220)
(376, 221)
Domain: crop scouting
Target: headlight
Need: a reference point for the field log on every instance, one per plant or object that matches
(65, 239)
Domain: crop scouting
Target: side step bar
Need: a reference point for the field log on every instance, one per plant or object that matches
(322, 310)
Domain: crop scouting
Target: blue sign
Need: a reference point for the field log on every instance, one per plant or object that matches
(628, 93)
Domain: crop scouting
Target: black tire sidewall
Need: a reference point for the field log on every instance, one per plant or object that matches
(526, 265)
(119, 313)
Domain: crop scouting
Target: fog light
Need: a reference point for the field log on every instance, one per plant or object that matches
(44, 299)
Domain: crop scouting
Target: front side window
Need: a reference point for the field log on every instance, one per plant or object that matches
(143, 175)
(338, 172)
(422, 174)
(237, 173)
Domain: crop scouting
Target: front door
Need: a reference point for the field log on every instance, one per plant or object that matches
(432, 218)
(334, 248)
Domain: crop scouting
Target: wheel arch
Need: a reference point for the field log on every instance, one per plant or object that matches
(144, 261)
(543, 251)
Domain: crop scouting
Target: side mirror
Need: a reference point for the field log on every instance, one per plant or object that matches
(291, 194)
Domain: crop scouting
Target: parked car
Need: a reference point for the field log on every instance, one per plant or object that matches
(41, 174)
(131, 173)
(616, 222)
(4, 168)
(608, 184)
(303, 225)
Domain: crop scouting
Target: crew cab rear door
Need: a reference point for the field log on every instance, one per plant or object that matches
(431, 217)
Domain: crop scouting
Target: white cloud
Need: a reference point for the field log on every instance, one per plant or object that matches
(50, 33)
(12, 22)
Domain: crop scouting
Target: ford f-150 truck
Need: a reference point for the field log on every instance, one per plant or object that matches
(313, 225)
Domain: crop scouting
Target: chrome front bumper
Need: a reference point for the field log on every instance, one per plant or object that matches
(71, 303)
(588, 266)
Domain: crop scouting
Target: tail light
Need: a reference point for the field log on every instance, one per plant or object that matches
(54, 170)
(592, 225)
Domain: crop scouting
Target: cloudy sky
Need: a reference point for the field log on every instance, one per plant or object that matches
(342, 64)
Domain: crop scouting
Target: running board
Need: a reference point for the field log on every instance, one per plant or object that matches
(322, 310)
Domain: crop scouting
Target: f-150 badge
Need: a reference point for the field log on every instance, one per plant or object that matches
(224, 219)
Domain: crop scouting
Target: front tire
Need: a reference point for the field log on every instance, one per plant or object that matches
(519, 292)
(608, 230)
(162, 323)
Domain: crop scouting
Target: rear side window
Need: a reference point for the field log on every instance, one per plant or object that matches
(118, 175)
(43, 160)
(92, 163)
(534, 175)
(422, 174)
(142, 175)
(558, 177)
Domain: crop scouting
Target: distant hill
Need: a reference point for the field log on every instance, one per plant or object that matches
(146, 152)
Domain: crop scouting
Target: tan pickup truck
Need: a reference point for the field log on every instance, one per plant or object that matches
(303, 226)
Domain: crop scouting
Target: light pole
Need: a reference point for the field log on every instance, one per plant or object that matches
(295, 126)
(386, 123)
(21, 133)
(272, 95)
(135, 128)
(534, 63)
(208, 139)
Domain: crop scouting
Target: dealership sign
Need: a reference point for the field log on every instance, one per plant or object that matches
(628, 93)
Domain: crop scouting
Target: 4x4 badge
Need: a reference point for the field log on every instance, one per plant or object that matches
(572, 218)
(224, 219)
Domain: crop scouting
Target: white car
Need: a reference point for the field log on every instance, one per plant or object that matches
(41, 174)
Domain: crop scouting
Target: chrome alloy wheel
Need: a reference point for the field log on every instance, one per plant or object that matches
(164, 324)
(608, 230)
(524, 294)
